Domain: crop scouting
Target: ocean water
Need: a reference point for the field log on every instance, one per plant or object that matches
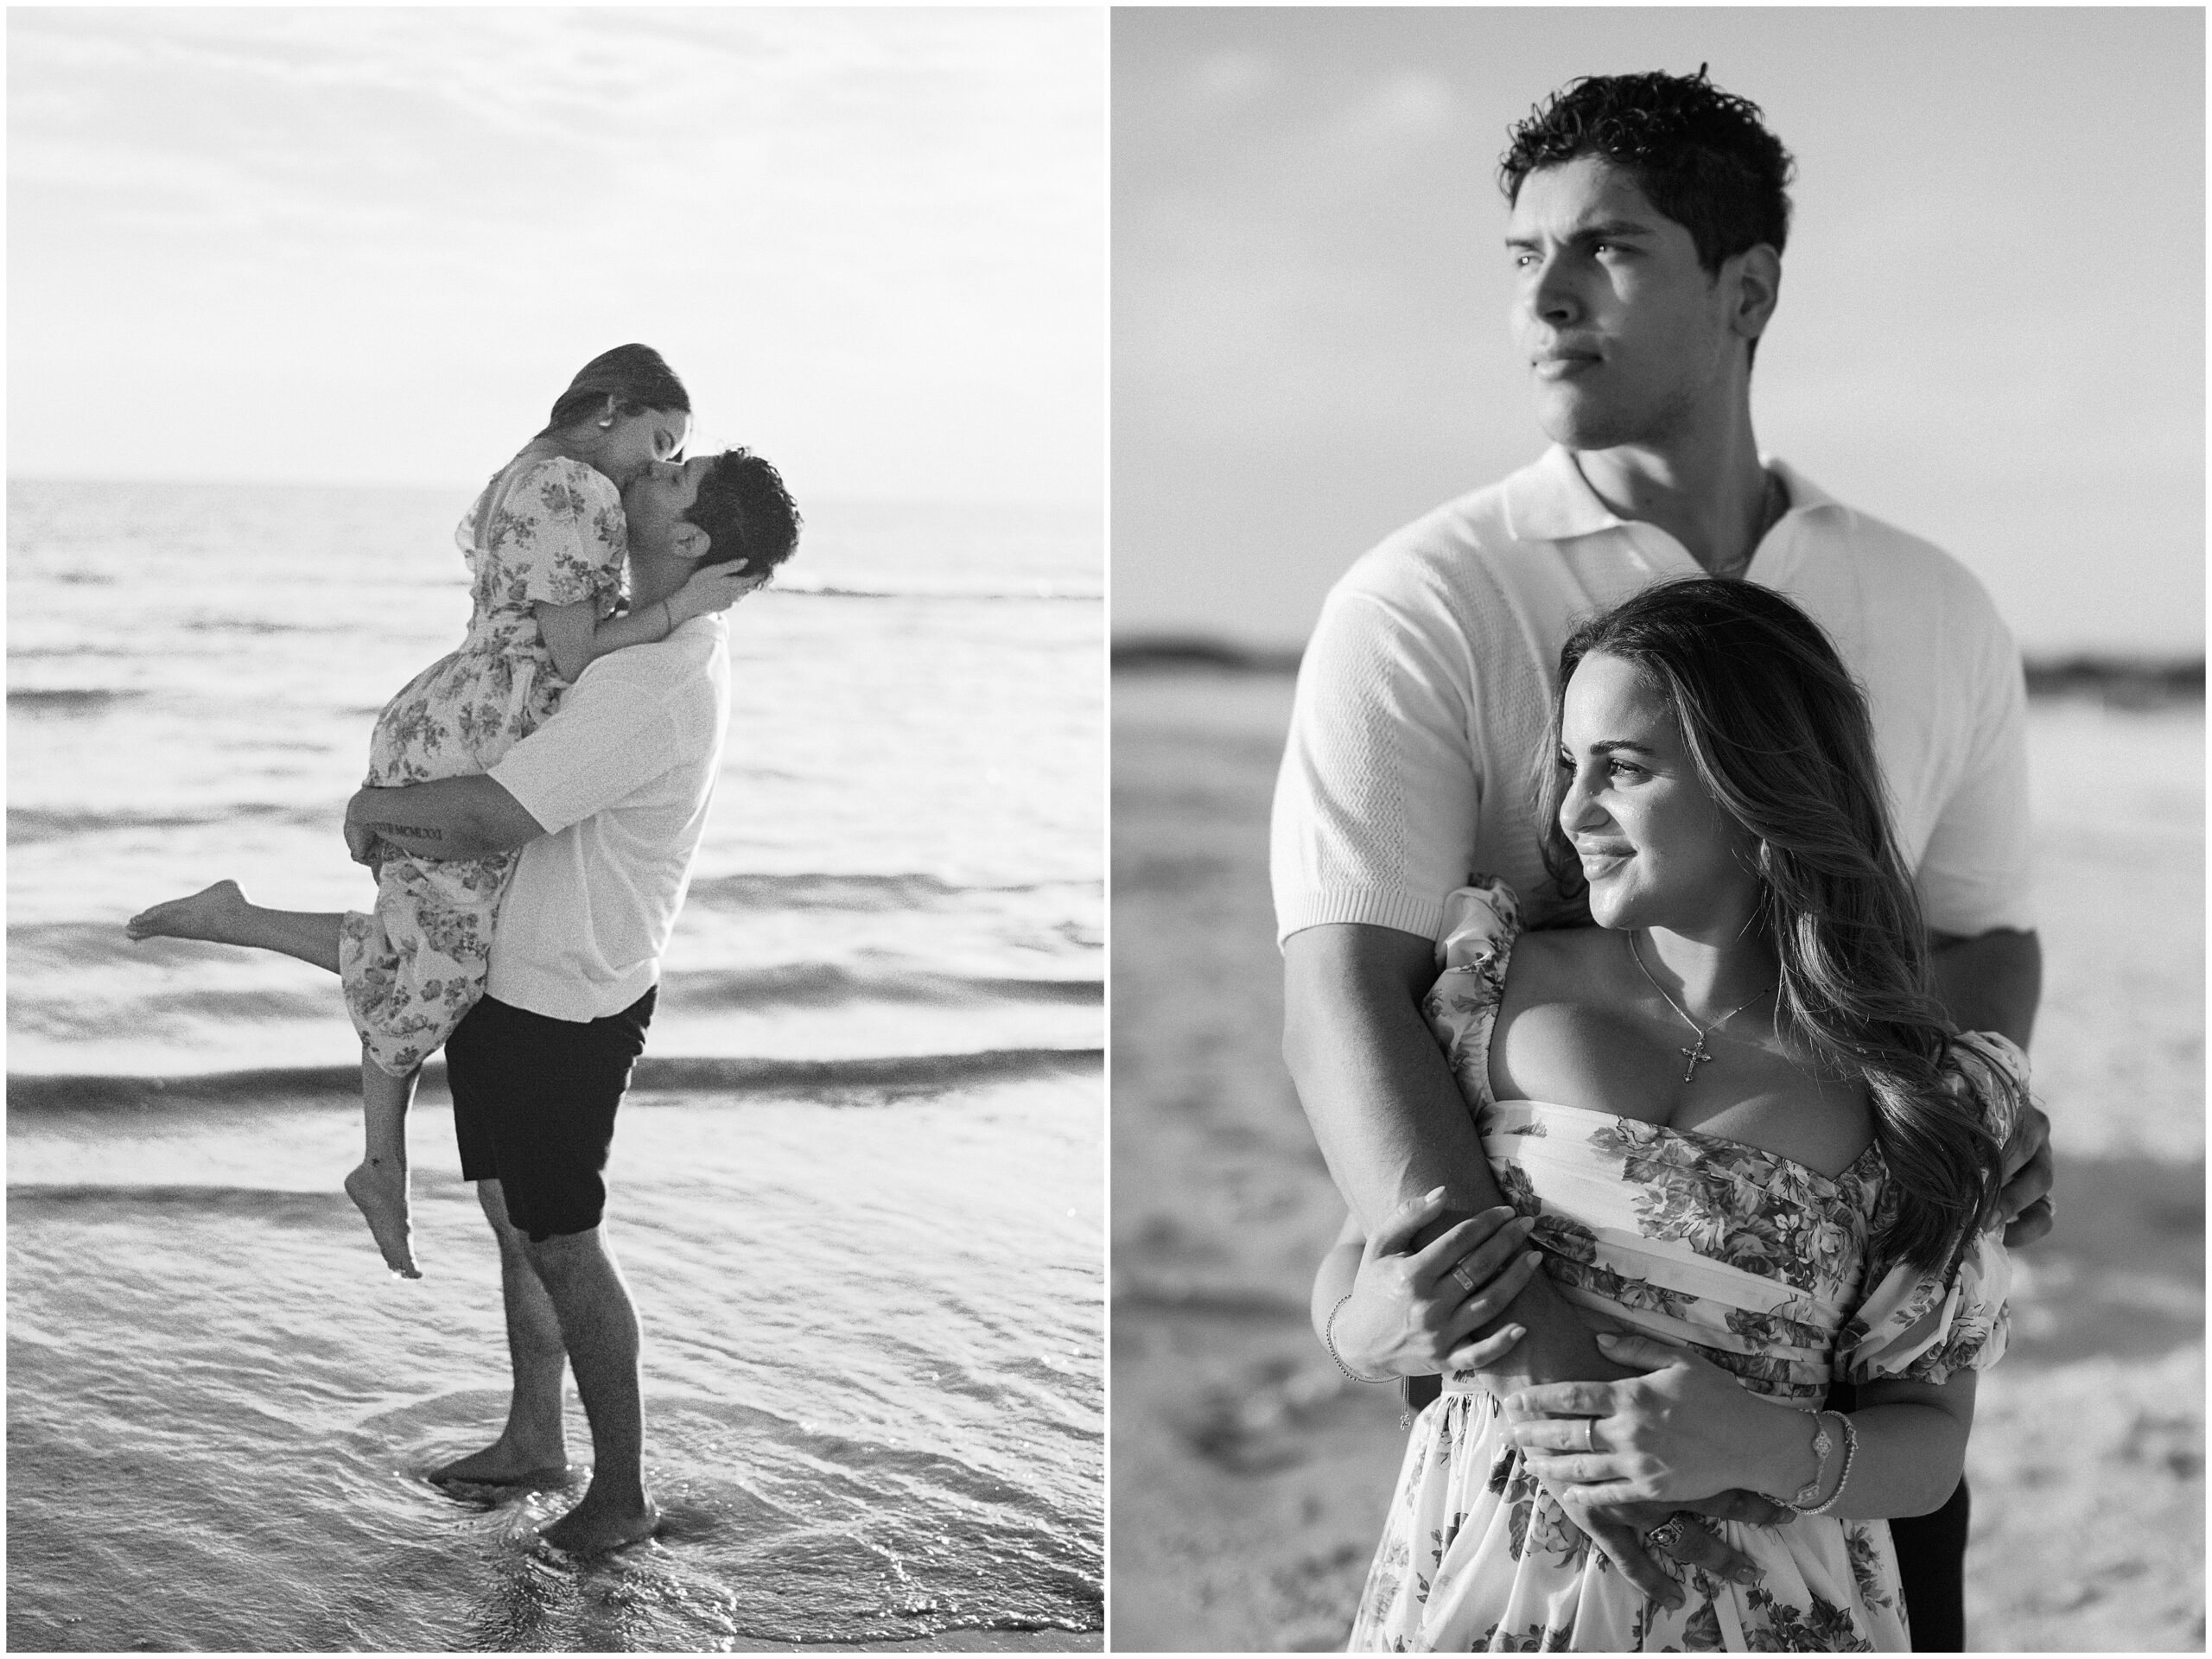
(856, 1187)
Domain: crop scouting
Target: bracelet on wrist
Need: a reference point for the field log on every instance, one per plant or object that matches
(1822, 1446)
(1850, 1451)
(1329, 1338)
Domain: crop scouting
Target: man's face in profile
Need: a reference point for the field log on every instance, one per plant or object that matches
(1626, 336)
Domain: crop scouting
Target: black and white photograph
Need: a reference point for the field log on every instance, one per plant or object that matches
(556, 931)
(1657, 882)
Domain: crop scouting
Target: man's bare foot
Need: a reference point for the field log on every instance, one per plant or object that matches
(498, 1464)
(212, 913)
(378, 1189)
(596, 1525)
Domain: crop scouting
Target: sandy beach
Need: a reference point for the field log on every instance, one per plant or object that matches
(1248, 1482)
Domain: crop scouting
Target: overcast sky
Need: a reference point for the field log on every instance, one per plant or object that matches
(371, 245)
(1990, 332)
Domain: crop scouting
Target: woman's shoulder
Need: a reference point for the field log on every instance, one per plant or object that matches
(1481, 921)
(529, 470)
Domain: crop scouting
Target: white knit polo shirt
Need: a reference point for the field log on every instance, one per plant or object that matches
(1425, 696)
(621, 777)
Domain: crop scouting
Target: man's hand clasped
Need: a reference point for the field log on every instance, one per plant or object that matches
(1675, 1434)
(1413, 1312)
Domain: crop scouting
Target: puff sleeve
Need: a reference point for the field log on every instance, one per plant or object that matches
(1474, 945)
(1914, 1323)
(559, 536)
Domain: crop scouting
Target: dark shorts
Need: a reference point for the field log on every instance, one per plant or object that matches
(533, 1106)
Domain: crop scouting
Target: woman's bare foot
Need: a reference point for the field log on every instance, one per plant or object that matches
(212, 914)
(500, 1464)
(378, 1189)
(595, 1526)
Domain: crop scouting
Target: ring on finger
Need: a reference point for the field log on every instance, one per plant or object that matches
(1589, 1434)
(1460, 1272)
(1666, 1535)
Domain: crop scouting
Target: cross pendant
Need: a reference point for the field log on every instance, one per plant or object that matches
(1697, 1057)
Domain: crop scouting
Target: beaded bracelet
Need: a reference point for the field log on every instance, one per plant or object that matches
(1821, 1446)
(1329, 1337)
(1850, 1451)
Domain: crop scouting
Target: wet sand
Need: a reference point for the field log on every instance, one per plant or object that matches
(1249, 1481)
(223, 1412)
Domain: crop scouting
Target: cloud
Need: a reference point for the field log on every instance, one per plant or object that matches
(895, 211)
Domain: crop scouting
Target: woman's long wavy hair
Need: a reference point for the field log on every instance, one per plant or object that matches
(1779, 734)
(637, 378)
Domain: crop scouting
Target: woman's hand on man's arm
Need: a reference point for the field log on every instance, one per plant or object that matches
(1421, 1338)
(1686, 1427)
(1683, 1429)
(1390, 1119)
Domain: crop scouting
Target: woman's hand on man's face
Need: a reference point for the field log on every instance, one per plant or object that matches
(717, 587)
(1410, 1315)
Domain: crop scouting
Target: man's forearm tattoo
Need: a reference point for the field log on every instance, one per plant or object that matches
(408, 832)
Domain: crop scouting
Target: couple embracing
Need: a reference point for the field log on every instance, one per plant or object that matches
(1651, 858)
(533, 804)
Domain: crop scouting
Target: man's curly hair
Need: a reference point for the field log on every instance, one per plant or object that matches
(1702, 156)
(746, 512)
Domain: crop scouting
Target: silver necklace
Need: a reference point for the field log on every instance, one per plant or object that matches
(1696, 1056)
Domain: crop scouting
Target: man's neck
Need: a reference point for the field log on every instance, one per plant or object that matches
(1710, 494)
(654, 577)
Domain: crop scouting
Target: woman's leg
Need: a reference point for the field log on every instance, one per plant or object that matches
(378, 1184)
(223, 915)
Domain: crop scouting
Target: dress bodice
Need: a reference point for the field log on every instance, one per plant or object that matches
(1771, 1268)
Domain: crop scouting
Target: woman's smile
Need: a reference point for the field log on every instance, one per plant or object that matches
(1601, 860)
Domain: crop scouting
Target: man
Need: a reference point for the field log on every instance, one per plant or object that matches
(606, 802)
(1648, 217)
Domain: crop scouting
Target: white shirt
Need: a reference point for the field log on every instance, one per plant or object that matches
(1424, 699)
(622, 775)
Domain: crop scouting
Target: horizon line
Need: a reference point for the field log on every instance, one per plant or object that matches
(2176, 671)
(846, 497)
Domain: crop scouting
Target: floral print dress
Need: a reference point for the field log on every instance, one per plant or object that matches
(546, 531)
(1767, 1267)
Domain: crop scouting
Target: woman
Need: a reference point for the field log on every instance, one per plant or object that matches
(545, 543)
(1736, 1128)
